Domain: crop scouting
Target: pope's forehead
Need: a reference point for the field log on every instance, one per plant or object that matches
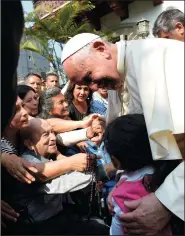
(75, 69)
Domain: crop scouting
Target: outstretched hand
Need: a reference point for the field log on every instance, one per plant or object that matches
(78, 162)
(19, 168)
(89, 120)
(82, 146)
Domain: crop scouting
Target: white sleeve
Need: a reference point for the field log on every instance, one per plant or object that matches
(152, 67)
(173, 187)
(72, 137)
(70, 182)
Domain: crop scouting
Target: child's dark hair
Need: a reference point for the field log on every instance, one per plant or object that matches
(126, 139)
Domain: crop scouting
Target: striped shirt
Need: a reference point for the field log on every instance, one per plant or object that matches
(8, 147)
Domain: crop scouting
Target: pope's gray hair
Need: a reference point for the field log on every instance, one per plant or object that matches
(166, 21)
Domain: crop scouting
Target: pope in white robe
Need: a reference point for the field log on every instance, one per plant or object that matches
(153, 70)
(154, 74)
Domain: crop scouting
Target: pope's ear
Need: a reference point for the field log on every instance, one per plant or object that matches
(102, 48)
(28, 144)
(98, 46)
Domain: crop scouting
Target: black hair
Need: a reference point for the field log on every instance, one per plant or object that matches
(69, 93)
(22, 90)
(12, 25)
(126, 139)
(32, 74)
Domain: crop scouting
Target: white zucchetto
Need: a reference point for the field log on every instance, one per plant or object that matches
(76, 43)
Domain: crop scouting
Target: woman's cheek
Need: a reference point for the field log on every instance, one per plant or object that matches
(27, 109)
(16, 120)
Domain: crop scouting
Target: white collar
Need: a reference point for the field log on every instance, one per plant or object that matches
(121, 45)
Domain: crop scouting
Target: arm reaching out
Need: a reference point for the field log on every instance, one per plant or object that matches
(53, 169)
(60, 125)
(18, 167)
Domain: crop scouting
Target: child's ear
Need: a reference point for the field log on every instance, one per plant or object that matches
(28, 144)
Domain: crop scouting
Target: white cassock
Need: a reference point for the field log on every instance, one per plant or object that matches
(154, 70)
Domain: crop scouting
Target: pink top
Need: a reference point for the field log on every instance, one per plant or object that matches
(128, 191)
(133, 190)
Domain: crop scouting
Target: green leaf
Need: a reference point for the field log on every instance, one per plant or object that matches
(29, 45)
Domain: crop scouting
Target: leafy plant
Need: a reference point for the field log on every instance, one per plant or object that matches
(40, 35)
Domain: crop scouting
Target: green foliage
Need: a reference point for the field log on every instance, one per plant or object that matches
(41, 34)
(29, 45)
(62, 25)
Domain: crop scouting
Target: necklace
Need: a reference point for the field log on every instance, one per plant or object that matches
(91, 165)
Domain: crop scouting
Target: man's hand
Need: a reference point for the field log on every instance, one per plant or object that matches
(82, 146)
(96, 130)
(94, 137)
(97, 139)
(78, 162)
(90, 133)
(148, 217)
(18, 168)
(98, 125)
(88, 120)
(7, 214)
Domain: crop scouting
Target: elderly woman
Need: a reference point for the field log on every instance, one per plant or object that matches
(13, 165)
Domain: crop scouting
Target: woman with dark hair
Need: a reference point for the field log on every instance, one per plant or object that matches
(29, 98)
(79, 99)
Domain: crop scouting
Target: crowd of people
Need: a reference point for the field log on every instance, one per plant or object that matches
(72, 163)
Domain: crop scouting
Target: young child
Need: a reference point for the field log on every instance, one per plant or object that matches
(126, 140)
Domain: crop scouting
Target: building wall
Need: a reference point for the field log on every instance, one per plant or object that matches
(26, 64)
(137, 11)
